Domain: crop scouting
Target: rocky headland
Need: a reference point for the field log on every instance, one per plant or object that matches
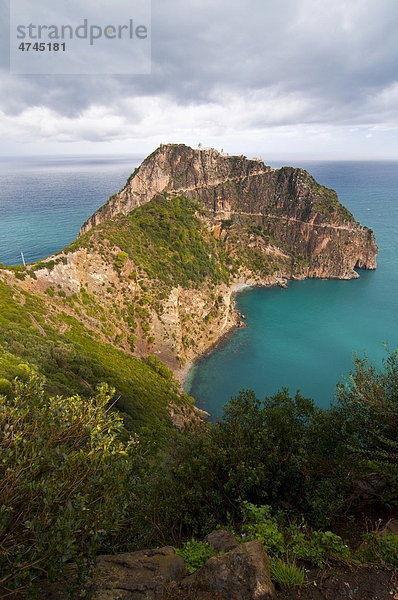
(155, 269)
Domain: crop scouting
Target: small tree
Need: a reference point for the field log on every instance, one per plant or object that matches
(369, 401)
(65, 482)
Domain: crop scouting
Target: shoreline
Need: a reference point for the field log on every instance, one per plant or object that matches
(183, 373)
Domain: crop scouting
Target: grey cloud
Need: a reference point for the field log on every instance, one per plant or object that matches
(334, 57)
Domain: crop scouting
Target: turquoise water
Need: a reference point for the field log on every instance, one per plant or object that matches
(303, 337)
(300, 338)
(44, 201)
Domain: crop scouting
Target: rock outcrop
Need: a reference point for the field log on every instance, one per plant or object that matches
(296, 210)
(240, 574)
(222, 541)
(135, 576)
(141, 575)
(175, 168)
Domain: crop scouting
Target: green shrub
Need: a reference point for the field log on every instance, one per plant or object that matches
(283, 452)
(195, 554)
(379, 551)
(66, 482)
(262, 526)
(369, 402)
(121, 260)
(159, 367)
(280, 539)
(318, 547)
(287, 575)
(5, 387)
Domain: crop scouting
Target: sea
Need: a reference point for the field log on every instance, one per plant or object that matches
(300, 338)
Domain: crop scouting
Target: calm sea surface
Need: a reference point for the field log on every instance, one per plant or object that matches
(303, 337)
(44, 201)
(299, 338)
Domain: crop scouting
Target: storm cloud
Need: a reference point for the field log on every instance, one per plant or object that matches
(270, 73)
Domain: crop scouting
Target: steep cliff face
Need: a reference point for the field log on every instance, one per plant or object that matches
(175, 168)
(286, 203)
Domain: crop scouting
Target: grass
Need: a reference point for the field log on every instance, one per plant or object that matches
(287, 575)
(75, 362)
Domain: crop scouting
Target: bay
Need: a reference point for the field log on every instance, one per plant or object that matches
(303, 338)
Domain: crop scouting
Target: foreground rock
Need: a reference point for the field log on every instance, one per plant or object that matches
(136, 576)
(241, 574)
(142, 575)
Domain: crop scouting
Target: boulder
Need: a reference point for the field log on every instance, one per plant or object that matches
(135, 576)
(203, 414)
(241, 574)
(222, 541)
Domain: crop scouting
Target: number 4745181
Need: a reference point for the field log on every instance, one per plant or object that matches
(42, 47)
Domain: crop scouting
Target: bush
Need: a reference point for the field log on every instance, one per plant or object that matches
(121, 260)
(379, 551)
(262, 526)
(159, 367)
(294, 540)
(5, 387)
(369, 402)
(318, 547)
(195, 554)
(66, 482)
(283, 452)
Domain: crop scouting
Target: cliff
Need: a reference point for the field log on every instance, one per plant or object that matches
(288, 203)
(155, 269)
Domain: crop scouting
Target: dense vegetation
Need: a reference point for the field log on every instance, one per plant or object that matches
(282, 471)
(166, 238)
(75, 361)
(284, 453)
(66, 480)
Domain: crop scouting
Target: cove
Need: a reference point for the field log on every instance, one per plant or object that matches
(303, 337)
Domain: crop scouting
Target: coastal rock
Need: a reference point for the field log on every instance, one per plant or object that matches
(287, 203)
(241, 574)
(203, 414)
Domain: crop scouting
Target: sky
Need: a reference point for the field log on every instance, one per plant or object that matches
(293, 78)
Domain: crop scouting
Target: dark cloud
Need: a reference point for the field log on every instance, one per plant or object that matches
(331, 63)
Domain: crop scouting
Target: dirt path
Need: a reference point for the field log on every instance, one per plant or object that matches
(36, 324)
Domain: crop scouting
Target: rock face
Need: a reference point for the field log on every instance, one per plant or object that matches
(289, 203)
(241, 574)
(135, 576)
(178, 168)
